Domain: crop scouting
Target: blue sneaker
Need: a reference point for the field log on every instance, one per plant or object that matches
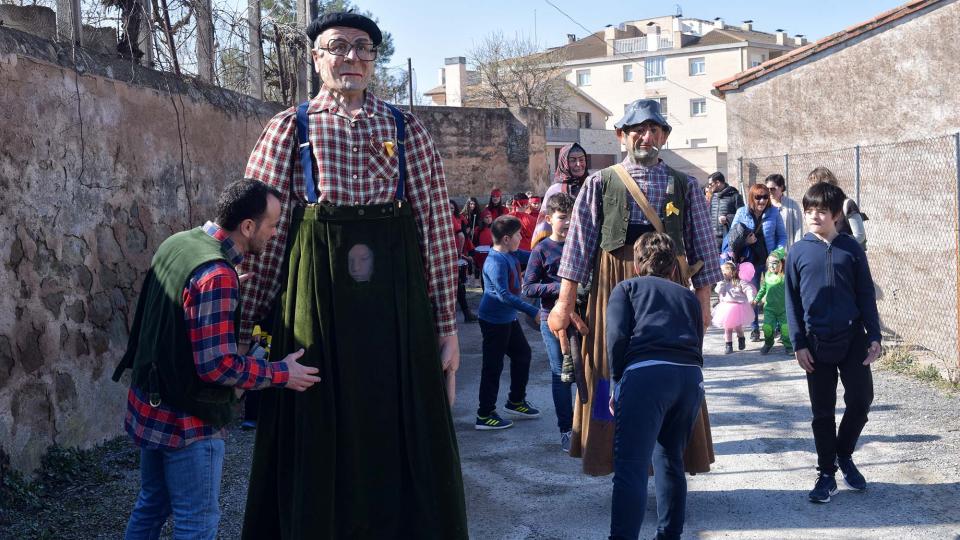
(524, 409)
(825, 487)
(248, 425)
(851, 476)
(486, 423)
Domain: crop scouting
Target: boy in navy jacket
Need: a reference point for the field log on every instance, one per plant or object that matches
(835, 327)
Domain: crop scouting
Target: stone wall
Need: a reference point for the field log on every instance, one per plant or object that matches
(101, 160)
(486, 147)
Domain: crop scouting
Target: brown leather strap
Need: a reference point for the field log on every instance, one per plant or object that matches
(639, 197)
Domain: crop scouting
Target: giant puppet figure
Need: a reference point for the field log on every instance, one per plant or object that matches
(615, 206)
(362, 277)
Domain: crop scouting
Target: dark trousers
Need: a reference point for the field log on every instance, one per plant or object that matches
(499, 340)
(857, 396)
(251, 405)
(656, 408)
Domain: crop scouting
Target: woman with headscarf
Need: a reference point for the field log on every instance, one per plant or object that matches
(569, 176)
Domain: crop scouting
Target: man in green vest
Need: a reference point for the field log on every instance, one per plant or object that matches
(614, 207)
(186, 363)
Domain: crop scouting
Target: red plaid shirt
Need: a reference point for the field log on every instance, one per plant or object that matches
(354, 167)
(209, 304)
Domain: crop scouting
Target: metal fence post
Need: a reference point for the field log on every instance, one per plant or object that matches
(856, 178)
(786, 173)
(956, 217)
(740, 165)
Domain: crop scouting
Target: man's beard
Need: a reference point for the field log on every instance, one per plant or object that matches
(644, 156)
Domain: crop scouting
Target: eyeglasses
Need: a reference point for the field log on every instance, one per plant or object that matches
(340, 47)
(761, 197)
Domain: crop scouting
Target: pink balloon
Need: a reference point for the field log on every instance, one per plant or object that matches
(746, 271)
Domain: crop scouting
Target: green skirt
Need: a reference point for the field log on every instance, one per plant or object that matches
(370, 451)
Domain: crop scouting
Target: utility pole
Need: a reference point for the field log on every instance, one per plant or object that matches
(410, 81)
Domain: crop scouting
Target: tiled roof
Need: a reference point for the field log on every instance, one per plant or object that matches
(734, 35)
(829, 42)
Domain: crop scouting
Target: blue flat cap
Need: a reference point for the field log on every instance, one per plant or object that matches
(345, 19)
(640, 111)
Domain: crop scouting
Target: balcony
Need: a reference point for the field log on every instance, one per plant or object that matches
(642, 44)
(563, 135)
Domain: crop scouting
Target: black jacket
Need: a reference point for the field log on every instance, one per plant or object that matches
(724, 202)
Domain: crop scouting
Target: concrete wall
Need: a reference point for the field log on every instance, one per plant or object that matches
(893, 84)
(892, 91)
(102, 160)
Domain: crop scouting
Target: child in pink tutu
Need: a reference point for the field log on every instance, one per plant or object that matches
(734, 310)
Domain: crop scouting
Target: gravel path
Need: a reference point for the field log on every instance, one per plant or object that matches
(520, 486)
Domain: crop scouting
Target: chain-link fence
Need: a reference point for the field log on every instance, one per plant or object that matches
(909, 193)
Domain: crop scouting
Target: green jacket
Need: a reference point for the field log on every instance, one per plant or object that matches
(773, 292)
(159, 350)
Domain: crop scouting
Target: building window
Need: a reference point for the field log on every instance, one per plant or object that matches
(583, 77)
(663, 104)
(555, 120)
(628, 73)
(583, 120)
(756, 60)
(698, 143)
(698, 66)
(698, 107)
(655, 69)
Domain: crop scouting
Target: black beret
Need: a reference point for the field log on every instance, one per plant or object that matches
(349, 20)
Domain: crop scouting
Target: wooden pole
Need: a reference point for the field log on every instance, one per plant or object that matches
(205, 53)
(68, 22)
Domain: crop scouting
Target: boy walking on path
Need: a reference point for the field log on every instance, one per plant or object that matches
(502, 334)
(832, 313)
(541, 281)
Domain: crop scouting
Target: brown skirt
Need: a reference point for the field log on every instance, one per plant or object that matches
(593, 426)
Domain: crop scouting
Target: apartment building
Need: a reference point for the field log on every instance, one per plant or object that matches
(674, 60)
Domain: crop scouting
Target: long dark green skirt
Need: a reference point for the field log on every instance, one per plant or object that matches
(370, 451)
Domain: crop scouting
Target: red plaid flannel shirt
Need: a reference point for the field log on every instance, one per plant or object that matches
(353, 168)
(209, 304)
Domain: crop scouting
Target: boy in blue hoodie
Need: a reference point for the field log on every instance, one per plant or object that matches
(835, 327)
(502, 334)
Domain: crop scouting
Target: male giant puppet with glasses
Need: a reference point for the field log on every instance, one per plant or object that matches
(360, 275)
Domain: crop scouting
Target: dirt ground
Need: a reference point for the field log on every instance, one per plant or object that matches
(520, 486)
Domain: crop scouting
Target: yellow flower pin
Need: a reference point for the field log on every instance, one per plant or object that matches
(389, 147)
(672, 210)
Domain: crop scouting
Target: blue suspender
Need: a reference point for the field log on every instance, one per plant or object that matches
(306, 152)
(401, 151)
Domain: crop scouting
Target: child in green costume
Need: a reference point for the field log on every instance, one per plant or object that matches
(772, 295)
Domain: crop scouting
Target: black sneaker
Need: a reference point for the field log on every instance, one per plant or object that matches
(485, 423)
(729, 348)
(565, 441)
(755, 335)
(524, 409)
(851, 476)
(825, 487)
(766, 348)
(741, 343)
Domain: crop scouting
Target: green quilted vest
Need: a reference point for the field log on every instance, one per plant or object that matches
(159, 350)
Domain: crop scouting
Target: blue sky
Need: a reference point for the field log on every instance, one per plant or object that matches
(430, 30)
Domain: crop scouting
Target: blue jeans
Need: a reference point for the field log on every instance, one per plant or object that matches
(184, 482)
(656, 407)
(562, 398)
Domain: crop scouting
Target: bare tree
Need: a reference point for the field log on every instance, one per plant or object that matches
(516, 73)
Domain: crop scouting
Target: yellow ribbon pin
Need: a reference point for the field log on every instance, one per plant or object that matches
(389, 147)
(672, 210)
